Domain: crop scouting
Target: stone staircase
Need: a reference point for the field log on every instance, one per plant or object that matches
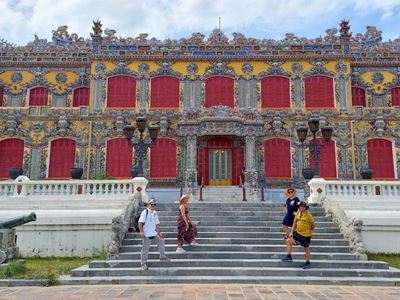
(239, 242)
(222, 194)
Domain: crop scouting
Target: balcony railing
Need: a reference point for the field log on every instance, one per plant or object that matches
(91, 188)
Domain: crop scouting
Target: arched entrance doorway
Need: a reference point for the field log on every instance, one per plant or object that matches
(220, 161)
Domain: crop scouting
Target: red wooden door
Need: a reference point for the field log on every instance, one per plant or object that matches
(327, 158)
(395, 96)
(118, 158)
(164, 92)
(81, 97)
(275, 92)
(358, 96)
(62, 158)
(38, 96)
(163, 158)
(277, 158)
(202, 163)
(238, 165)
(11, 155)
(220, 90)
(121, 91)
(380, 158)
(319, 91)
(1, 95)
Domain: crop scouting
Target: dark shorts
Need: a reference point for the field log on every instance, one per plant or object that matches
(288, 220)
(303, 240)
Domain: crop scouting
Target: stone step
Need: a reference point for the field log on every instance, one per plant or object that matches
(247, 213)
(338, 264)
(245, 223)
(278, 235)
(231, 206)
(257, 229)
(287, 270)
(239, 247)
(234, 218)
(297, 253)
(302, 279)
(246, 241)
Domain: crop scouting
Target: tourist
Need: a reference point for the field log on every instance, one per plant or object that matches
(187, 230)
(292, 204)
(301, 234)
(149, 228)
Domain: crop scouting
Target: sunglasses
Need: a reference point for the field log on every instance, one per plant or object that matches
(153, 204)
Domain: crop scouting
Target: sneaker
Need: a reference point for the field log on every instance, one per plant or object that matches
(165, 258)
(306, 266)
(194, 243)
(180, 250)
(287, 259)
(144, 267)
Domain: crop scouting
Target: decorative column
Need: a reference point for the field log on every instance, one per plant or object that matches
(191, 171)
(143, 93)
(298, 93)
(250, 160)
(35, 163)
(342, 94)
(98, 96)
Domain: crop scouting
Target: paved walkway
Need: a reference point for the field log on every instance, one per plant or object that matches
(202, 292)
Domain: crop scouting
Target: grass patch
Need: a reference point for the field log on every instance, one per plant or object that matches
(44, 268)
(392, 259)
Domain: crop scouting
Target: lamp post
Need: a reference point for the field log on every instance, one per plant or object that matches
(140, 143)
(326, 131)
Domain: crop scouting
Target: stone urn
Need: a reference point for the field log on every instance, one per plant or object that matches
(76, 173)
(134, 171)
(15, 172)
(308, 173)
(366, 172)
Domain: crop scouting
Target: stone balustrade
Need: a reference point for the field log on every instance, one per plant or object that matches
(23, 187)
(366, 211)
(321, 189)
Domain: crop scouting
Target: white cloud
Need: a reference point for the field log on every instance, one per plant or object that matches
(21, 19)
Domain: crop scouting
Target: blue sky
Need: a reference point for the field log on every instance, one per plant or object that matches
(21, 19)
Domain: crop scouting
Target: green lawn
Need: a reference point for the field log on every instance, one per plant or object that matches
(392, 259)
(44, 268)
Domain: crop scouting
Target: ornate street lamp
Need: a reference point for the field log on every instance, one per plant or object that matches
(326, 131)
(140, 143)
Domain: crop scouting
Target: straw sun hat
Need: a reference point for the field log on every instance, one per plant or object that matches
(185, 196)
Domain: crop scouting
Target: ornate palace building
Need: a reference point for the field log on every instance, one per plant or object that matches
(226, 107)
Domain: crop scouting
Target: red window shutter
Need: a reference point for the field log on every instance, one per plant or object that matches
(163, 158)
(319, 91)
(38, 96)
(62, 158)
(81, 97)
(327, 158)
(380, 158)
(395, 96)
(121, 91)
(118, 158)
(164, 92)
(358, 96)
(11, 155)
(275, 92)
(220, 90)
(277, 158)
(1, 96)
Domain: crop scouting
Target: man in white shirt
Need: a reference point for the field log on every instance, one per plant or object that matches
(149, 227)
